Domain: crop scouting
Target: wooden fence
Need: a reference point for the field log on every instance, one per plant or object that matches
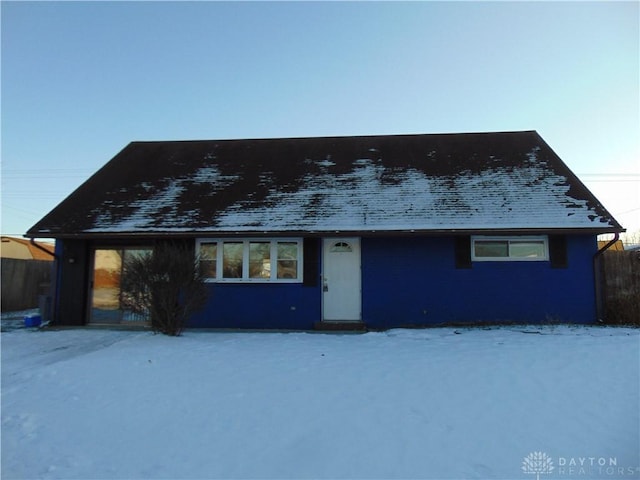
(23, 281)
(621, 275)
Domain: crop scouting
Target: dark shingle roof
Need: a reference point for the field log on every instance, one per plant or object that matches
(445, 182)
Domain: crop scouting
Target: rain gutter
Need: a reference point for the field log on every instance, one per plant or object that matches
(32, 241)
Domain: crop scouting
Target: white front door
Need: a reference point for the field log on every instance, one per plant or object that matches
(341, 298)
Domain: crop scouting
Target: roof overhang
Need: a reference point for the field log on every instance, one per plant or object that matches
(158, 235)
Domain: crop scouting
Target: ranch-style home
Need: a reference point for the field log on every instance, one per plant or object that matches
(340, 232)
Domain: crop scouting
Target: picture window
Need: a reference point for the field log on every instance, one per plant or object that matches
(250, 260)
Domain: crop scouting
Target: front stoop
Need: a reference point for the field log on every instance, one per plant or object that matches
(340, 326)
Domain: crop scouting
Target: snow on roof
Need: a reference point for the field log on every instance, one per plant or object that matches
(460, 182)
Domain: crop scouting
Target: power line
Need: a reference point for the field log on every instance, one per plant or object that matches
(629, 211)
(612, 181)
(617, 174)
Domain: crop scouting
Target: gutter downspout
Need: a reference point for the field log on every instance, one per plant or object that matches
(42, 249)
(597, 273)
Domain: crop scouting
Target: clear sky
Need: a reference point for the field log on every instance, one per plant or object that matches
(80, 80)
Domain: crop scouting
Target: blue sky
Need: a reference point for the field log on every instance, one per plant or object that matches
(80, 80)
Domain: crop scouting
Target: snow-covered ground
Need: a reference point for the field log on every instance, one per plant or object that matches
(438, 403)
(14, 320)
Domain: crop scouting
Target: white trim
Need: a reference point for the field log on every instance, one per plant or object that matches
(342, 308)
(245, 259)
(509, 239)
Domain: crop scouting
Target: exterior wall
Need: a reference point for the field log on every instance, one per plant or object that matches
(257, 306)
(70, 304)
(295, 306)
(406, 281)
(414, 281)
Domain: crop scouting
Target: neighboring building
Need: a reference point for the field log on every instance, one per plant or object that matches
(617, 246)
(22, 249)
(26, 274)
(370, 231)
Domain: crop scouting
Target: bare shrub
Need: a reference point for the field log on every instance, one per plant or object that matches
(167, 283)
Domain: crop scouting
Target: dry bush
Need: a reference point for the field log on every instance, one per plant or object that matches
(167, 283)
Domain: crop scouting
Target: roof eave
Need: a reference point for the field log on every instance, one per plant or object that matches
(323, 233)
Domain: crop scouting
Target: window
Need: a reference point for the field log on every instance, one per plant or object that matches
(112, 298)
(232, 259)
(288, 260)
(340, 247)
(251, 260)
(509, 248)
(208, 259)
(260, 260)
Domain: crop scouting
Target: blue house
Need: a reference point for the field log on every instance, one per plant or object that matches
(340, 232)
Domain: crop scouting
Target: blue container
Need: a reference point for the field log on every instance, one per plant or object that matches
(32, 321)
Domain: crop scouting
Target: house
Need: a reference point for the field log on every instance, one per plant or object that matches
(618, 245)
(21, 249)
(367, 231)
(26, 274)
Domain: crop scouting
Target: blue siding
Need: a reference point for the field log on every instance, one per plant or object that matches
(413, 281)
(260, 305)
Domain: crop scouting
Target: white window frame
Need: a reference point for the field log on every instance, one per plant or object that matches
(245, 259)
(509, 239)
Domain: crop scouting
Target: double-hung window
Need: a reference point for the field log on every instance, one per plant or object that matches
(513, 248)
(251, 260)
